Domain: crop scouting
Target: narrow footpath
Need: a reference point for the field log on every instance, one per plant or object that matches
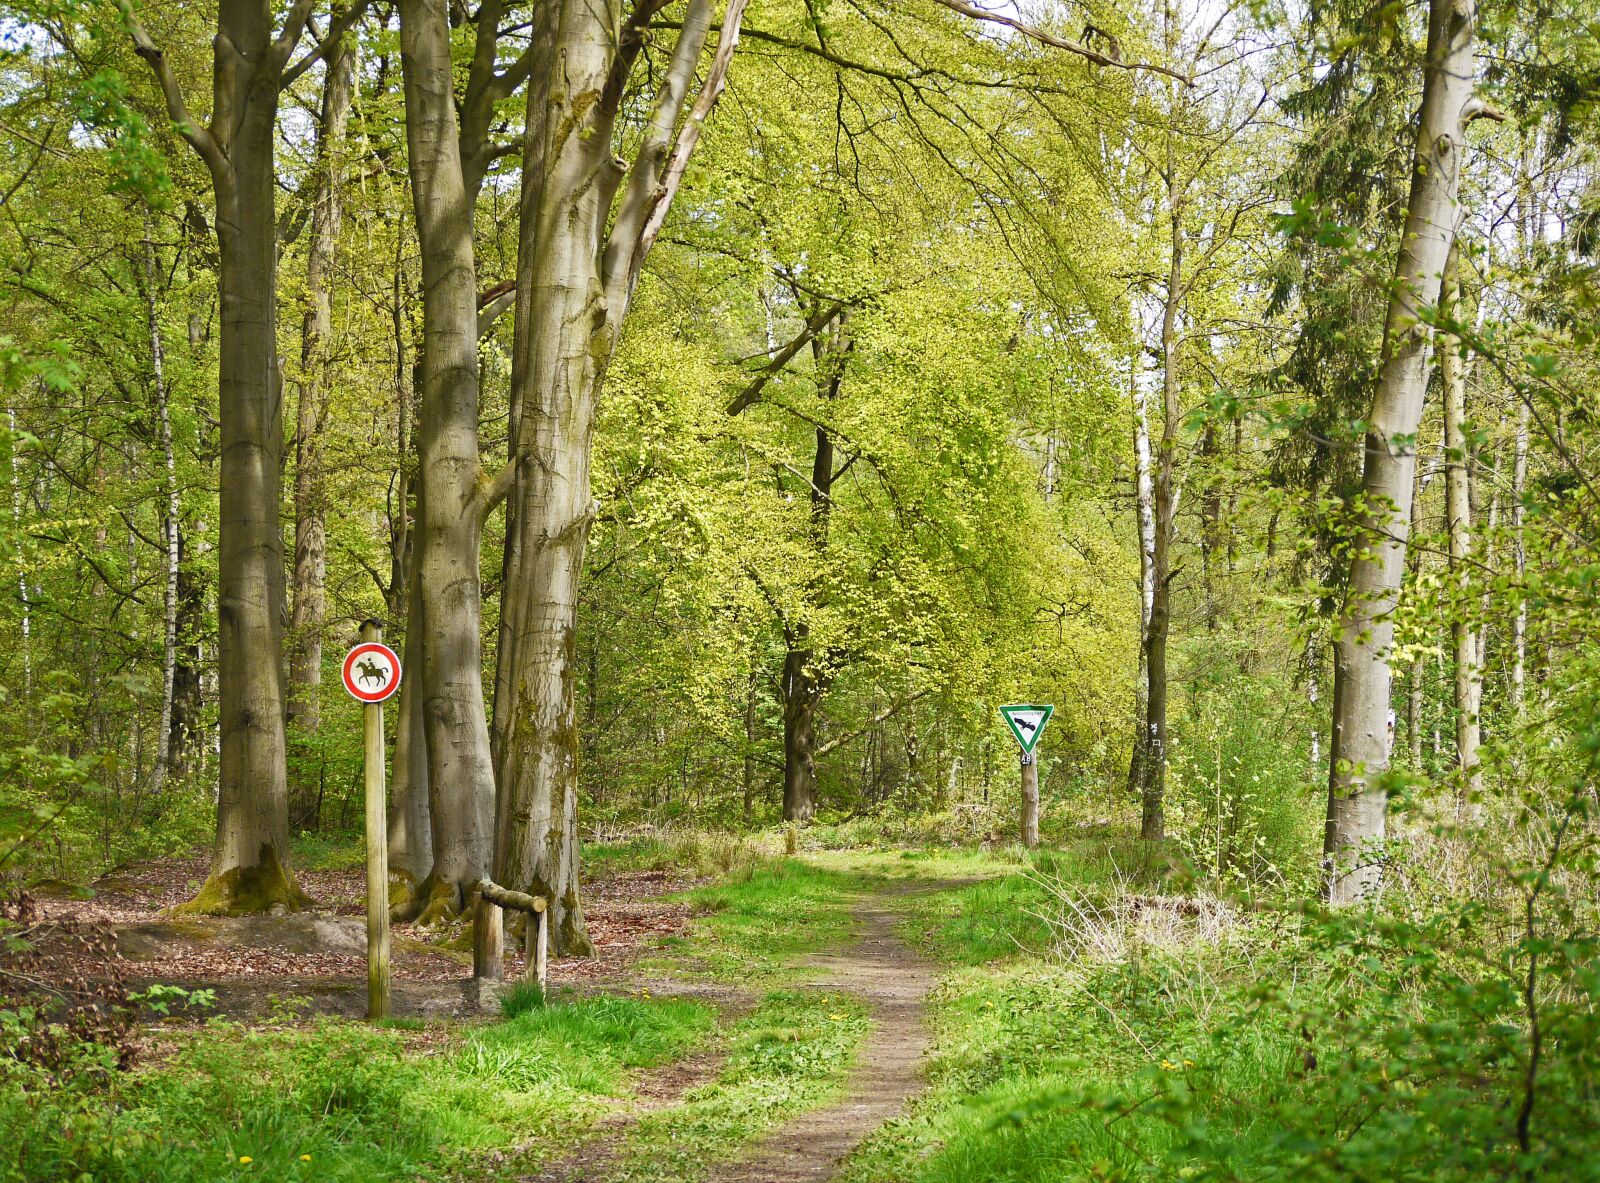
(894, 981)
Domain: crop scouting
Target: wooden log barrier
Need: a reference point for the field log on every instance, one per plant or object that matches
(488, 946)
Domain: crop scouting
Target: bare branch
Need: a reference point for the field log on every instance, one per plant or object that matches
(622, 257)
(888, 712)
(494, 304)
(689, 137)
(752, 392)
(294, 26)
(498, 487)
(336, 30)
(1034, 33)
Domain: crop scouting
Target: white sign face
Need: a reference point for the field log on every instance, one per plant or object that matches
(371, 672)
(1027, 722)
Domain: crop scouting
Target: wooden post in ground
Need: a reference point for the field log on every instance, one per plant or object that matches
(488, 940)
(536, 946)
(1030, 799)
(377, 852)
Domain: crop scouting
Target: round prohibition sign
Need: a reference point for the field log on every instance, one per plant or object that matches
(371, 672)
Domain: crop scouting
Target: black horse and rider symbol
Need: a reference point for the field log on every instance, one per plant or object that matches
(368, 670)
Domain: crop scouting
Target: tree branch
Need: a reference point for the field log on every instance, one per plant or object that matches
(752, 392)
(498, 487)
(294, 26)
(198, 137)
(492, 305)
(839, 741)
(336, 30)
(689, 137)
(622, 256)
(1034, 33)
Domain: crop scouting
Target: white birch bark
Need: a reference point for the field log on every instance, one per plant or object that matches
(170, 526)
(1458, 512)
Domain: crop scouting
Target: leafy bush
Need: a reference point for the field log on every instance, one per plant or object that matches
(1239, 802)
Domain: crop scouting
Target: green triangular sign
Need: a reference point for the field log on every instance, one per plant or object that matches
(1027, 721)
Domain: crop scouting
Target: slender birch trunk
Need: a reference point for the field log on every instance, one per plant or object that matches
(1458, 511)
(1357, 798)
(1519, 623)
(1152, 826)
(170, 526)
(1144, 493)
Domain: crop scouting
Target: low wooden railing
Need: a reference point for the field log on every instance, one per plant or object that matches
(488, 944)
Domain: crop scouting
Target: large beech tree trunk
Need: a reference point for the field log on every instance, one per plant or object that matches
(308, 599)
(578, 262)
(250, 868)
(460, 773)
(1357, 798)
(1458, 511)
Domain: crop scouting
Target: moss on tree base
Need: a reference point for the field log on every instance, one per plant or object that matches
(243, 891)
(437, 901)
(405, 897)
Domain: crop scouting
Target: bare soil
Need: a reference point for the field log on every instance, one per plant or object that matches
(318, 958)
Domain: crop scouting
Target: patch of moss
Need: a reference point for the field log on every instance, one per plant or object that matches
(441, 901)
(412, 945)
(245, 891)
(190, 930)
(60, 889)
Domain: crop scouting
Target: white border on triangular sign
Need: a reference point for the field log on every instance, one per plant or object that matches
(1027, 745)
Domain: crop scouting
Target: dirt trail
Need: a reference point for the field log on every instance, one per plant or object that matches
(894, 980)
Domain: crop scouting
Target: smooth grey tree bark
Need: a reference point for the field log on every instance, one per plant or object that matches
(250, 867)
(448, 157)
(588, 220)
(1357, 797)
(308, 612)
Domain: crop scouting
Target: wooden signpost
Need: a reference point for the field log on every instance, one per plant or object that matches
(372, 675)
(1027, 721)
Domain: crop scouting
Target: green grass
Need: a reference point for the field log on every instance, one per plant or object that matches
(756, 924)
(792, 1053)
(340, 1101)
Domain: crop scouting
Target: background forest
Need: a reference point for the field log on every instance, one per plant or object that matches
(726, 408)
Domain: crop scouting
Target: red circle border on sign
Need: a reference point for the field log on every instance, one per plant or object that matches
(383, 693)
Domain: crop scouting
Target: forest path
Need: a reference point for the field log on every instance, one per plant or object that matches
(894, 980)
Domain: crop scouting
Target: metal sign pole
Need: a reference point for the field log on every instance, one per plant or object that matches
(377, 852)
